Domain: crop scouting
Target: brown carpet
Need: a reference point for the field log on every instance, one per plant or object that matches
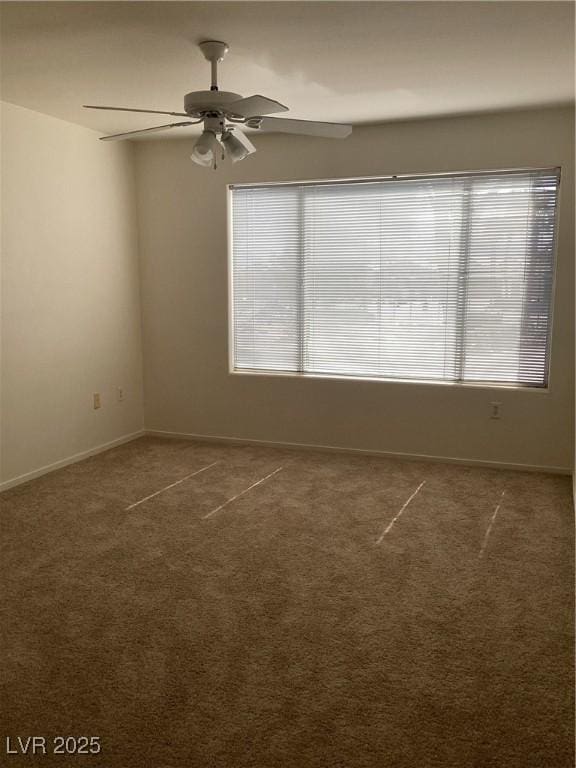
(277, 632)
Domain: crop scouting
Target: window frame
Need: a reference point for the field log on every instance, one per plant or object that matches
(484, 385)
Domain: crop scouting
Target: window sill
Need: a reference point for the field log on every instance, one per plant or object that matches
(418, 382)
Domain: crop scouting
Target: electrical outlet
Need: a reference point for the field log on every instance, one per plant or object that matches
(97, 401)
(120, 394)
(495, 410)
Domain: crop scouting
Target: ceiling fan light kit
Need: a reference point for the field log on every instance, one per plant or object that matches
(237, 144)
(206, 150)
(222, 112)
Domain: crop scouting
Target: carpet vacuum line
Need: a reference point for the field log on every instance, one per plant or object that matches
(263, 480)
(490, 524)
(193, 474)
(389, 526)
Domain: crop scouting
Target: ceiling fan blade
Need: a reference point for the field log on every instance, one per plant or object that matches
(254, 106)
(130, 134)
(147, 111)
(305, 127)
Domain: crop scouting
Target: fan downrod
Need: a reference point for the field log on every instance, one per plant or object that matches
(214, 51)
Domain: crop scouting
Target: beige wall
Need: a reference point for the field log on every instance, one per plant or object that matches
(71, 323)
(184, 267)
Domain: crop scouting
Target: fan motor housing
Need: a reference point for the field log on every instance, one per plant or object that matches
(208, 101)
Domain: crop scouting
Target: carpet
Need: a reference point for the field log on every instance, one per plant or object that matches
(283, 609)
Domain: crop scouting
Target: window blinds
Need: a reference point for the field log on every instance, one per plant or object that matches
(445, 278)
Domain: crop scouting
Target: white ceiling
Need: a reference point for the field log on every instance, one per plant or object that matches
(350, 61)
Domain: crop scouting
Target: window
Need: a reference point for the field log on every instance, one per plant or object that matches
(439, 278)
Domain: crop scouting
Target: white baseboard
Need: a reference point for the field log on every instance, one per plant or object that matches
(70, 460)
(4, 486)
(361, 451)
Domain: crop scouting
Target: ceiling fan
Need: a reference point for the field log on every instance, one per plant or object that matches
(222, 112)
